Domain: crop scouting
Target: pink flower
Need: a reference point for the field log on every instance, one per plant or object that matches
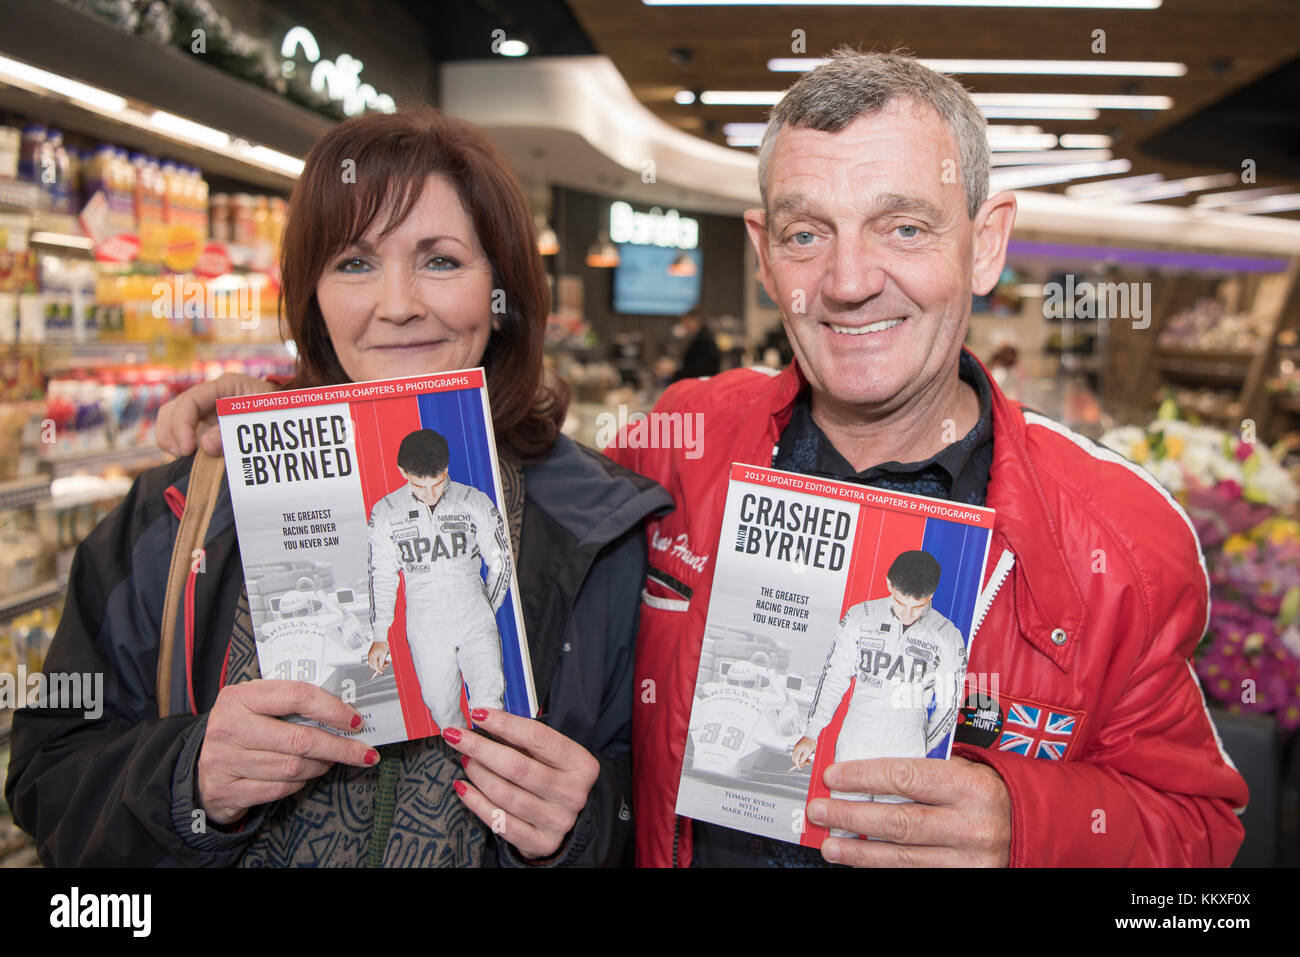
(1229, 489)
(1244, 451)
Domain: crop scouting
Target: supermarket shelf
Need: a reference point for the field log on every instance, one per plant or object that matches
(23, 492)
(19, 194)
(127, 458)
(1200, 365)
(11, 606)
(6, 722)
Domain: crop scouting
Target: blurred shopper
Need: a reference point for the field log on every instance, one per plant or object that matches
(876, 229)
(702, 357)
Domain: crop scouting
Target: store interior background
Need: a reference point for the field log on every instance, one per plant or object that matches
(1192, 197)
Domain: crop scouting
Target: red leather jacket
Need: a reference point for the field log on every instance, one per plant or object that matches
(1096, 594)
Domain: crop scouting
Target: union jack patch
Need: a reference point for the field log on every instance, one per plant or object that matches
(1037, 731)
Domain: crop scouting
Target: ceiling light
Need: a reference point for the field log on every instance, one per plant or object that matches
(1238, 197)
(684, 97)
(1026, 141)
(1043, 4)
(44, 81)
(1023, 177)
(1084, 189)
(1097, 67)
(683, 265)
(745, 142)
(1099, 101)
(548, 244)
(1038, 113)
(602, 254)
(1041, 157)
(741, 97)
(513, 48)
(1269, 204)
(744, 129)
(1152, 192)
(1085, 141)
(999, 129)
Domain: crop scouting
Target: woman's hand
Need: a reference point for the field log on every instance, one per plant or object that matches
(190, 419)
(251, 757)
(529, 785)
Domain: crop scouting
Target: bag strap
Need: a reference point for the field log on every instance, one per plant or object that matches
(206, 474)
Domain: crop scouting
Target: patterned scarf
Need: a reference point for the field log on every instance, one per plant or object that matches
(400, 813)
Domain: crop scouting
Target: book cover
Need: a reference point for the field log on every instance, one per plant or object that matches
(838, 629)
(376, 552)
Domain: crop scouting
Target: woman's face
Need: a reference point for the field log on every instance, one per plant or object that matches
(414, 302)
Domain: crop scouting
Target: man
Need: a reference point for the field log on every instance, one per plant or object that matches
(906, 662)
(702, 357)
(439, 534)
(876, 229)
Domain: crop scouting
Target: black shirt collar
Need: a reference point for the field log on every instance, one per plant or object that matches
(959, 470)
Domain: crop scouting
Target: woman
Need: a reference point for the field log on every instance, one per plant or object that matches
(409, 250)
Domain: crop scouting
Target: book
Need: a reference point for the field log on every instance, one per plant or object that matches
(838, 629)
(376, 551)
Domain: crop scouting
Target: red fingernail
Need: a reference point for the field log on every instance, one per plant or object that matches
(478, 715)
(464, 760)
(356, 722)
(461, 787)
(372, 756)
(452, 735)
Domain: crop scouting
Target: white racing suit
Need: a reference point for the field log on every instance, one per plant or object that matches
(907, 689)
(450, 611)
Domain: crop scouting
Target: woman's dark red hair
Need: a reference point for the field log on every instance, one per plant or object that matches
(352, 174)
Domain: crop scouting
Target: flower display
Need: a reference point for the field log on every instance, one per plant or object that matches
(1239, 499)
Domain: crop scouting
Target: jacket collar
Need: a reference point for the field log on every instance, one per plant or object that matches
(1048, 596)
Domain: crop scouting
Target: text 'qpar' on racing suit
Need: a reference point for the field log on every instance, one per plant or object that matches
(450, 610)
(907, 687)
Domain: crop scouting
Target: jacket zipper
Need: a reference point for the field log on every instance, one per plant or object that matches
(677, 827)
(1000, 572)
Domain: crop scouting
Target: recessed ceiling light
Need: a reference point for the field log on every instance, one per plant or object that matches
(1084, 141)
(1098, 67)
(684, 97)
(1043, 4)
(1038, 113)
(513, 48)
(1023, 177)
(1040, 157)
(1098, 101)
(741, 97)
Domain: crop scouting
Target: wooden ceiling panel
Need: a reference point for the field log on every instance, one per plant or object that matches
(1225, 48)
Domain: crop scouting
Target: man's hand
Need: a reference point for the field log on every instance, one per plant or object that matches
(190, 419)
(250, 757)
(530, 785)
(961, 818)
(803, 752)
(377, 657)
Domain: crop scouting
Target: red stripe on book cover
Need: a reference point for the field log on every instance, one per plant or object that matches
(379, 428)
(881, 536)
(353, 392)
(814, 834)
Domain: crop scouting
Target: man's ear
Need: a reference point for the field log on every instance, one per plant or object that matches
(993, 224)
(756, 227)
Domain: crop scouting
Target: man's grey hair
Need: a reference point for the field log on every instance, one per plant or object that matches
(852, 84)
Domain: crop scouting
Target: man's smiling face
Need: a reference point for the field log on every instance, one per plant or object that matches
(868, 249)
